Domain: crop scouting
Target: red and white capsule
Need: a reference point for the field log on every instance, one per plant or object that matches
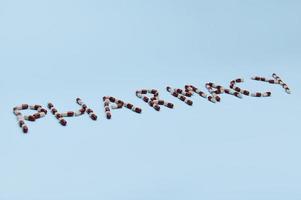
(74, 113)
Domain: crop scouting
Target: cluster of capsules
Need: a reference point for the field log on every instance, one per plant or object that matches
(276, 80)
(41, 112)
(246, 92)
(213, 89)
(193, 89)
(181, 94)
(84, 109)
(154, 101)
(118, 104)
(88, 110)
(216, 90)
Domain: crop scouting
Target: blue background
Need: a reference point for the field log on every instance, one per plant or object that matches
(239, 149)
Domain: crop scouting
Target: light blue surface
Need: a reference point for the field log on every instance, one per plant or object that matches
(239, 149)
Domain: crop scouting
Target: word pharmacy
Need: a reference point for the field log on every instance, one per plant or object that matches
(149, 96)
